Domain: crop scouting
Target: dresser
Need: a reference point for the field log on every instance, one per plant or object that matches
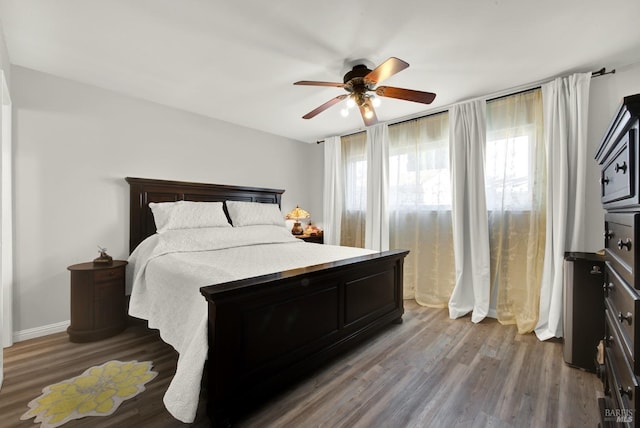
(618, 158)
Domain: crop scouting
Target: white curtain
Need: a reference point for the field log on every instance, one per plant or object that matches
(420, 207)
(377, 215)
(470, 230)
(354, 174)
(516, 185)
(565, 111)
(333, 195)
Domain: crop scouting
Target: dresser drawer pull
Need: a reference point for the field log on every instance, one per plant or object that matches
(604, 180)
(608, 234)
(626, 243)
(628, 391)
(607, 286)
(622, 167)
(595, 270)
(628, 317)
(608, 341)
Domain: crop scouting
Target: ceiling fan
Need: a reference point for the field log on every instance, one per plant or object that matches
(360, 81)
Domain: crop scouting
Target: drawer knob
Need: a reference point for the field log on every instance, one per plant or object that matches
(626, 243)
(607, 287)
(608, 341)
(604, 180)
(628, 391)
(622, 167)
(608, 234)
(628, 317)
(595, 270)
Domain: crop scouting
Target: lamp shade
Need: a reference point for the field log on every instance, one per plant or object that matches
(297, 213)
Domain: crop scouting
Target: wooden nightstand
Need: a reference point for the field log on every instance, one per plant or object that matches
(316, 239)
(97, 301)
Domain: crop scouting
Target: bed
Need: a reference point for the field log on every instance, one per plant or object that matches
(268, 331)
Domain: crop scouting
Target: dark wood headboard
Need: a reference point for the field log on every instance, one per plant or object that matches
(144, 190)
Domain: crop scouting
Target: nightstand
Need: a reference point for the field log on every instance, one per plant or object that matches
(316, 239)
(97, 301)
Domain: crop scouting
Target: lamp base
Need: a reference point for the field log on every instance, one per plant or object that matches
(297, 229)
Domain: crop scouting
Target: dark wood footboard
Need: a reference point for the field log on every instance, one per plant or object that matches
(269, 331)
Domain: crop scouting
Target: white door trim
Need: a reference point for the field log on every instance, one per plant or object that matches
(6, 224)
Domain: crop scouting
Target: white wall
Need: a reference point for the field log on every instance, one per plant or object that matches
(74, 144)
(4, 57)
(605, 97)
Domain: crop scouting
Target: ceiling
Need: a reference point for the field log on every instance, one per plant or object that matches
(236, 61)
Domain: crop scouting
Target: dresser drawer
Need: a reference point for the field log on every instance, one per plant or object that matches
(618, 177)
(615, 413)
(619, 243)
(623, 304)
(618, 172)
(622, 381)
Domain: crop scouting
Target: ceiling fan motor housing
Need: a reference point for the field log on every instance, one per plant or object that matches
(355, 83)
(357, 71)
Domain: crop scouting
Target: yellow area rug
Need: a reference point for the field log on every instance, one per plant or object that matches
(98, 391)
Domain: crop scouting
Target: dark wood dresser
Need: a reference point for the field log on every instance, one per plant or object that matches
(97, 301)
(620, 191)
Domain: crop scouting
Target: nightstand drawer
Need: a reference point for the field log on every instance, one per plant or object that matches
(105, 275)
(315, 239)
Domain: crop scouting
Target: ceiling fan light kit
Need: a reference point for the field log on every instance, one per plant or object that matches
(360, 81)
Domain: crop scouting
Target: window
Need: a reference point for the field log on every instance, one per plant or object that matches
(354, 162)
(420, 207)
(419, 164)
(510, 168)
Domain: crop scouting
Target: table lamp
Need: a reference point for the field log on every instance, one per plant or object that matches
(296, 214)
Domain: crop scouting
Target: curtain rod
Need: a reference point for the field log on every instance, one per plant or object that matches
(602, 72)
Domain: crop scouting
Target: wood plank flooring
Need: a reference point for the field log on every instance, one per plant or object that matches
(429, 371)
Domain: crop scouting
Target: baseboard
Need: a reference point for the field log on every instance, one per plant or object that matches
(45, 330)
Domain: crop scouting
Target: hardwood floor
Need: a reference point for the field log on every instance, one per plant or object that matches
(429, 371)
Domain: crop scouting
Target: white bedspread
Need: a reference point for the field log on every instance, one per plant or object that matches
(165, 274)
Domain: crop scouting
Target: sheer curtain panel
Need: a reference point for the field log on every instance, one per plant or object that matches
(377, 215)
(565, 104)
(420, 207)
(333, 196)
(470, 232)
(515, 186)
(354, 174)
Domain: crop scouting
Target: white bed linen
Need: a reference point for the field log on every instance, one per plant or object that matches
(165, 274)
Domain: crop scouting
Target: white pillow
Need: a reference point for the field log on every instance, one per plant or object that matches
(254, 213)
(188, 215)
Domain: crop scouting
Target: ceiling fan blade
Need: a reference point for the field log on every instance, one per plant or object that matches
(385, 70)
(324, 106)
(406, 94)
(371, 118)
(313, 83)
